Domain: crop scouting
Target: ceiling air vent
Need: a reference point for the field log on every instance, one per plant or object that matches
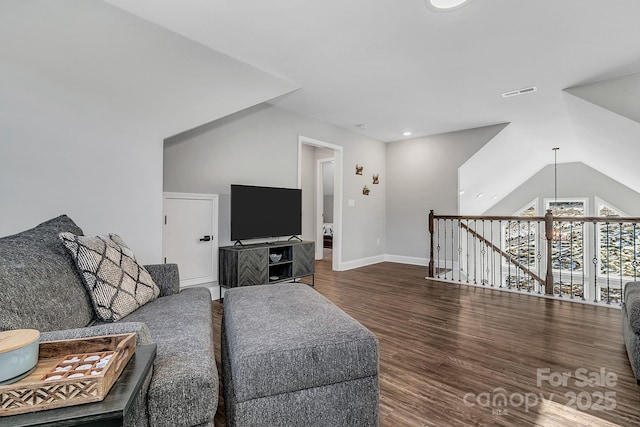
(520, 91)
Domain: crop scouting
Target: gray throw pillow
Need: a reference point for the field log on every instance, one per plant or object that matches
(39, 280)
(116, 283)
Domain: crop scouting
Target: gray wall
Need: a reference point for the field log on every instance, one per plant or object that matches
(328, 172)
(423, 175)
(259, 146)
(574, 180)
(309, 183)
(327, 210)
(87, 95)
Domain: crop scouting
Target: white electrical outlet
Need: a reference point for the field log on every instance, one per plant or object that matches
(351, 202)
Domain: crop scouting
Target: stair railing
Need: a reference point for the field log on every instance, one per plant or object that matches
(514, 253)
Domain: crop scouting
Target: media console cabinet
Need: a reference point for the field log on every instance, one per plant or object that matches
(247, 265)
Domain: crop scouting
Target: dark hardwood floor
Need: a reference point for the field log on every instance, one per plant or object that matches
(449, 353)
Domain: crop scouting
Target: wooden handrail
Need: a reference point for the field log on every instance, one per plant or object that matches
(603, 219)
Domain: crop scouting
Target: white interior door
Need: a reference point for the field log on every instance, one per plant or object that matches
(191, 236)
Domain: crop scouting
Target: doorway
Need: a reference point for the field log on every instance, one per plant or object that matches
(190, 237)
(326, 152)
(325, 170)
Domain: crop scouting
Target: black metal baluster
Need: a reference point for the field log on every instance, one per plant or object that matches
(459, 252)
(487, 254)
(444, 233)
(518, 252)
(438, 249)
(570, 260)
(475, 252)
(584, 286)
(621, 262)
(595, 261)
(453, 241)
(493, 258)
(510, 254)
(608, 263)
(468, 257)
(559, 259)
(539, 256)
(529, 278)
(500, 238)
(635, 253)
(483, 251)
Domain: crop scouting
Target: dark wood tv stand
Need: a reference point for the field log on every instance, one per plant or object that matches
(247, 265)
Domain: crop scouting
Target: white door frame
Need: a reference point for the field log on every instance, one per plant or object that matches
(337, 193)
(320, 204)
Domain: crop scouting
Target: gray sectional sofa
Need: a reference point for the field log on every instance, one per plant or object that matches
(631, 325)
(41, 289)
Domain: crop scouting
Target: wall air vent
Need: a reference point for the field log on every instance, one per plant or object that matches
(520, 91)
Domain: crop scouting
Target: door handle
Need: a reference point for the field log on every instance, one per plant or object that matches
(205, 239)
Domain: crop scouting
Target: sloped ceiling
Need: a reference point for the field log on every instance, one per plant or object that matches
(603, 130)
(620, 95)
(394, 66)
(124, 64)
(605, 122)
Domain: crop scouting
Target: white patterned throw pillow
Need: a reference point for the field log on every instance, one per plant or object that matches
(116, 283)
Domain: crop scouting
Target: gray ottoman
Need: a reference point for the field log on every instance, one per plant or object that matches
(292, 358)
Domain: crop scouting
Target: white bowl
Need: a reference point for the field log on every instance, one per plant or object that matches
(275, 257)
(19, 350)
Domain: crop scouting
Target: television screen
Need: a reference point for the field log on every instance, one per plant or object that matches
(262, 212)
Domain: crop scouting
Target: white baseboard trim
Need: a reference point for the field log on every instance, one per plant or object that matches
(215, 292)
(362, 262)
(402, 259)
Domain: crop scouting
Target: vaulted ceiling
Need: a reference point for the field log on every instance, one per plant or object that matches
(382, 67)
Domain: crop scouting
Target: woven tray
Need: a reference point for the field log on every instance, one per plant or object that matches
(36, 393)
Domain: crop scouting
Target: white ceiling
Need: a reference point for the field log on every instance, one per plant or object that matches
(396, 65)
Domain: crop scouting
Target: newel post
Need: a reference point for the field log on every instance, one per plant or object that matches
(548, 229)
(431, 228)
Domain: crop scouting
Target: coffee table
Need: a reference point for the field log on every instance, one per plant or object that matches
(109, 412)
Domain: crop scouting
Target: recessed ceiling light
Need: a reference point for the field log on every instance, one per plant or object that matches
(407, 133)
(461, 192)
(480, 195)
(445, 5)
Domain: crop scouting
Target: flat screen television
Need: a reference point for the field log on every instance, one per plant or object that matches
(264, 212)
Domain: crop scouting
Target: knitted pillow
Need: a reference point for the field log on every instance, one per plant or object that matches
(117, 284)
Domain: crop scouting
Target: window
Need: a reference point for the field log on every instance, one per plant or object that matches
(567, 252)
(619, 244)
(521, 244)
(568, 246)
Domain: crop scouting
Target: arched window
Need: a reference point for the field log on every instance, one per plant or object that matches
(618, 244)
